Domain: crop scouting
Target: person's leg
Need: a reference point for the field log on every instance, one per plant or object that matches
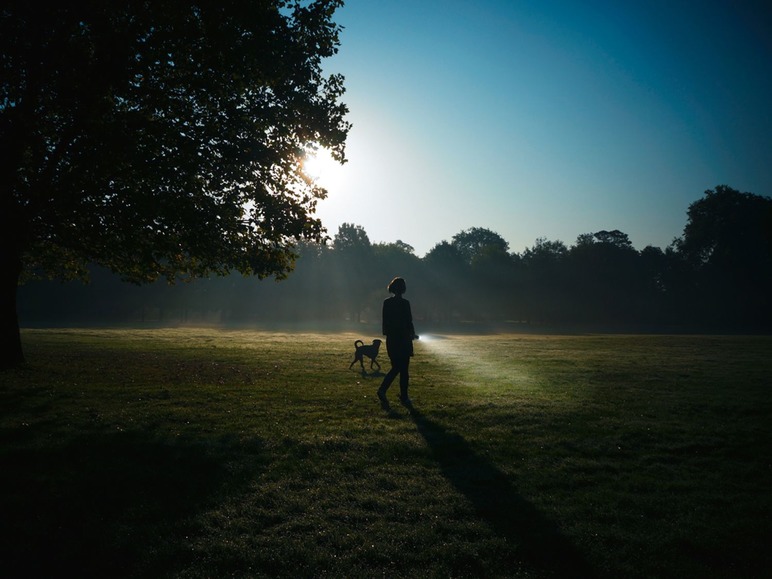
(404, 379)
(388, 379)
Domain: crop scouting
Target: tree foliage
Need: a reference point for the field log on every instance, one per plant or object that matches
(727, 248)
(472, 242)
(728, 229)
(163, 139)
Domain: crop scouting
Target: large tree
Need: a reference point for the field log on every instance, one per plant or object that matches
(606, 279)
(727, 244)
(475, 240)
(160, 139)
(353, 270)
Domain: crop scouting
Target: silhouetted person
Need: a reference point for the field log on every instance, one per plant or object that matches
(399, 332)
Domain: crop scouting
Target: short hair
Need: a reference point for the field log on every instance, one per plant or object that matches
(397, 286)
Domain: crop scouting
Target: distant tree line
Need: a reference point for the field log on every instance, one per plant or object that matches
(716, 276)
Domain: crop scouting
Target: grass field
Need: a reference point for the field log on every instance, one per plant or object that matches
(206, 453)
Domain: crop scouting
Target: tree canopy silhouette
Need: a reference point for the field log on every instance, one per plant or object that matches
(476, 240)
(161, 139)
(727, 248)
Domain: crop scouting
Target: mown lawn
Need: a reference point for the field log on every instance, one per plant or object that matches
(210, 453)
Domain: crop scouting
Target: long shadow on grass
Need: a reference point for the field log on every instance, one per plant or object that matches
(538, 541)
(113, 505)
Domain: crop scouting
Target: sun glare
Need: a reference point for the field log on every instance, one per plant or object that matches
(323, 169)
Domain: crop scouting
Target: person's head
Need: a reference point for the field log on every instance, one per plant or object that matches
(397, 286)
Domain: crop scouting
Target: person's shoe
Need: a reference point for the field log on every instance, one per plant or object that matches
(405, 401)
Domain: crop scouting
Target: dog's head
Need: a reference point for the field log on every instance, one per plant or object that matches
(377, 343)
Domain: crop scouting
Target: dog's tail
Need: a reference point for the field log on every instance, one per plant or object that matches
(358, 343)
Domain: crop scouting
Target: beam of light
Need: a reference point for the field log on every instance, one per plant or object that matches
(476, 359)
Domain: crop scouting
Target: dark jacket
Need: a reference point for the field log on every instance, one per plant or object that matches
(398, 326)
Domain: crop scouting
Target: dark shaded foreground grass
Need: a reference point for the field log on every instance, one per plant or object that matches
(199, 453)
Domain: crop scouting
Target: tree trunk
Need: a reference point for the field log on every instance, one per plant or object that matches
(11, 354)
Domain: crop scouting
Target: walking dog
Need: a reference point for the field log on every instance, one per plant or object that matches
(371, 351)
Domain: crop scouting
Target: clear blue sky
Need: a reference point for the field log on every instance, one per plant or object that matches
(546, 118)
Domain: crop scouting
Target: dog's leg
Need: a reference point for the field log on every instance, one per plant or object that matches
(357, 356)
